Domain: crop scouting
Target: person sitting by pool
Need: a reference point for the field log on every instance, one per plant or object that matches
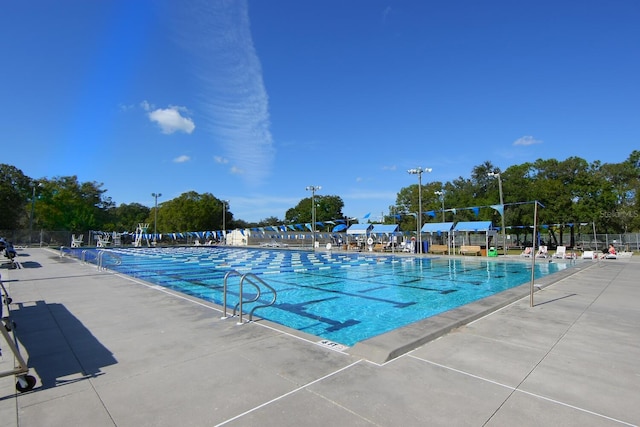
(610, 253)
(526, 252)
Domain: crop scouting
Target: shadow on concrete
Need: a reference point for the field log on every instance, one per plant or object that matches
(30, 264)
(60, 348)
(555, 299)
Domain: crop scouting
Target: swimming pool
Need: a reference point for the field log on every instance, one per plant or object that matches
(342, 297)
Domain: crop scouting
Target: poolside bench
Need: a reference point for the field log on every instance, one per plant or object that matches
(466, 250)
(438, 249)
(378, 247)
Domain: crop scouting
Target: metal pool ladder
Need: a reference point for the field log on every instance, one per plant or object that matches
(252, 280)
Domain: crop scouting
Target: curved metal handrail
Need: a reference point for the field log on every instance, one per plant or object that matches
(100, 259)
(63, 252)
(224, 291)
(249, 277)
(265, 284)
(240, 301)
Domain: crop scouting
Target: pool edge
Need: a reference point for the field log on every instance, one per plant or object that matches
(388, 346)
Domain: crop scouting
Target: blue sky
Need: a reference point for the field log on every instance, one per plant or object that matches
(253, 101)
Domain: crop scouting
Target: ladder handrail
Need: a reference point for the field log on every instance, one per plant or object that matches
(273, 291)
(100, 259)
(249, 277)
(224, 290)
(239, 304)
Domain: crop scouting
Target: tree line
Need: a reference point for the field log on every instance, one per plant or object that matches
(570, 191)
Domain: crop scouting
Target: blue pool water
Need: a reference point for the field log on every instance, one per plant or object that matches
(341, 297)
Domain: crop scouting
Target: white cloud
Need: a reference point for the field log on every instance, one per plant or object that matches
(170, 120)
(236, 170)
(220, 159)
(146, 106)
(235, 104)
(385, 14)
(527, 140)
(182, 159)
(389, 168)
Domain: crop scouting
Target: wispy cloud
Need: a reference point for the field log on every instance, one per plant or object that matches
(389, 168)
(169, 119)
(235, 102)
(385, 14)
(220, 159)
(182, 159)
(527, 140)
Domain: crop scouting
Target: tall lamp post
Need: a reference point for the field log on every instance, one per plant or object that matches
(155, 217)
(225, 203)
(441, 194)
(504, 237)
(313, 189)
(33, 206)
(418, 171)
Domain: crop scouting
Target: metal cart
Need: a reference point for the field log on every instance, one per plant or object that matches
(24, 382)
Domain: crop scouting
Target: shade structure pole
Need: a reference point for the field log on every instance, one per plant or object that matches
(533, 254)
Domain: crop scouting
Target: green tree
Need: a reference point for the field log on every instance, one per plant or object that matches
(272, 220)
(126, 217)
(327, 208)
(14, 191)
(66, 204)
(619, 189)
(190, 211)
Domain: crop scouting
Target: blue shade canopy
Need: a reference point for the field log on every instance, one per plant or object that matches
(360, 229)
(473, 226)
(384, 228)
(437, 227)
(339, 227)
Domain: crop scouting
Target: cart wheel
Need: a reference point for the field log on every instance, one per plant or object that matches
(31, 382)
(8, 300)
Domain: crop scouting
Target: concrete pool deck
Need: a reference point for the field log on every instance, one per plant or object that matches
(109, 351)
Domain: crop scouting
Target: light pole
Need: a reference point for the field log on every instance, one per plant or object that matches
(155, 215)
(313, 189)
(418, 171)
(33, 206)
(225, 203)
(441, 194)
(504, 237)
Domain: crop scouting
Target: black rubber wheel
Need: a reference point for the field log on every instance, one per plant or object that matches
(8, 300)
(31, 382)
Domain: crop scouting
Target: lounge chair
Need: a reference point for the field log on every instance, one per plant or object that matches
(561, 252)
(542, 252)
(409, 247)
(76, 242)
(588, 255)
(103, 241)
(527, 252)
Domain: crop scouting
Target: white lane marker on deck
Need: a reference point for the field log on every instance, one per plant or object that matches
(515, 389)
(295, 390)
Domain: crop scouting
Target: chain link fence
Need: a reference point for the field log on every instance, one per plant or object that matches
(55, 239)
